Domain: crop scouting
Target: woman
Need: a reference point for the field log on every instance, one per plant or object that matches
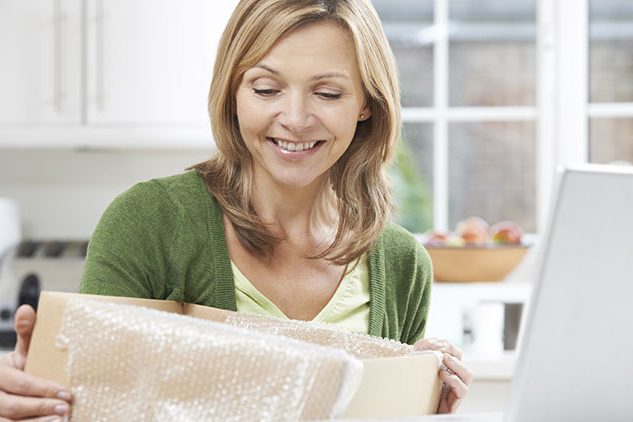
(289, 218)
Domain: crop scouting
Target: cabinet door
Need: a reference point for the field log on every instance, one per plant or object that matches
(40, 64)
(150, 61)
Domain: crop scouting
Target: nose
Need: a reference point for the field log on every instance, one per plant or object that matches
(295, 113)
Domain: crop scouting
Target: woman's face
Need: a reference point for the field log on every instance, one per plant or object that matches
(299, 106)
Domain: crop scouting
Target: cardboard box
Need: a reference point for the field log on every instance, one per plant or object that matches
(391, 387)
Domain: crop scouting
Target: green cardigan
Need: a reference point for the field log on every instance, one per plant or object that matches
(164, 239)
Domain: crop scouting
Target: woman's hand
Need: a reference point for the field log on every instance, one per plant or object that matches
(454, 374)
(23, 396)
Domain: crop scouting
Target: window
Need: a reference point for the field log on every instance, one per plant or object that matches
(468, 78)
(611, 81)
(497, 94)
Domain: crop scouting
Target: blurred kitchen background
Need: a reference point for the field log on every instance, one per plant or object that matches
(96, 95)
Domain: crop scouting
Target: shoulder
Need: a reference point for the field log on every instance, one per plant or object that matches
(180, 188)
(146, 234)
(399, 244)
(397, 235)
(164, 195)
(405, 258)
(189, 181)
(160, 207)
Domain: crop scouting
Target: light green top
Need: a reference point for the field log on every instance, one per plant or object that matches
(348, 307)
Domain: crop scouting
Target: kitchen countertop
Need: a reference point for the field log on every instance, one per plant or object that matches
(483, 301)
(492, 368)
(471, 417)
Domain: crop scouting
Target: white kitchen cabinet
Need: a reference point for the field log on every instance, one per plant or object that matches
(40, 64)
(93, 69)
(151, 61)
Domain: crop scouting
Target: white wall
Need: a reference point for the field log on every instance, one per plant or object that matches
(62, 193)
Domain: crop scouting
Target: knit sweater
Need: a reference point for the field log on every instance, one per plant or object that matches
(164, 239)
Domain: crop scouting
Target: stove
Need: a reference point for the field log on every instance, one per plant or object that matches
(38, 265)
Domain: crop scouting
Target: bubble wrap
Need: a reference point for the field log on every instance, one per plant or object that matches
(363, 346)
(131, 363)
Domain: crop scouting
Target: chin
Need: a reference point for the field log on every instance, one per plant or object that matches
(296, 181)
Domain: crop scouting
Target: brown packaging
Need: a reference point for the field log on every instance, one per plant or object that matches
(391, 387)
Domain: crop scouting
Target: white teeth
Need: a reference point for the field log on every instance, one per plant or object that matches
(294, 146)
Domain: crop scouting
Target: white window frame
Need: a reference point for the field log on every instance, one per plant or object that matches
(440, 115)
(562, 92)
(561, 112)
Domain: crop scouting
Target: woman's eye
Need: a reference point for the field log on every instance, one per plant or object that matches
(328, 95)
(268, 92)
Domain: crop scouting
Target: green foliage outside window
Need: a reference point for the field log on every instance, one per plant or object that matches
(411, 192)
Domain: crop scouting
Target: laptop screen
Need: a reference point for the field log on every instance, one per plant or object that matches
(576, 351)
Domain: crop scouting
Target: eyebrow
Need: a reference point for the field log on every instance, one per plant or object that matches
(315, 77)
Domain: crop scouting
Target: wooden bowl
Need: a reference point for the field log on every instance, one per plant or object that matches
(475, 263)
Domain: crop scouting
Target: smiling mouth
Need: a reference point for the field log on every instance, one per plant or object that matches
(294, 146)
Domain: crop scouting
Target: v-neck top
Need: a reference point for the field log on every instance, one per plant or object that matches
(348, 307)
(164, 239)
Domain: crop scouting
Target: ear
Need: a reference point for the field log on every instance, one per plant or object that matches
(365, 113)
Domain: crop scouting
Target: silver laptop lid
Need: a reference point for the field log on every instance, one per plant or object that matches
(576, 355)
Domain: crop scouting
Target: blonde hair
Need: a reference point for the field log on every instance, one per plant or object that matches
(362, 195)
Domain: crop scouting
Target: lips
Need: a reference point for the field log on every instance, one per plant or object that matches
(294, 146)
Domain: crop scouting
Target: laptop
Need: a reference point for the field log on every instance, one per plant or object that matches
(576, 355)
(576, 351)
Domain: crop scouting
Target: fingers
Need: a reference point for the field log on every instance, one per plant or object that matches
(15, 381)
(23, 395)
(458, 368)
(38, 419)
(456, 378)
(18, 407)
(24, 323)
(455, 394)
(438, 344)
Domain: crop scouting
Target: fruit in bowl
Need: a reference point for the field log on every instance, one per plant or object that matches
(474, 230)
(442, 238)
(476, 251)
(436, 238)
(506, 232)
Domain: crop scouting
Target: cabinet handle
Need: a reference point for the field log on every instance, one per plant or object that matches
(58, 84)
(100, 55)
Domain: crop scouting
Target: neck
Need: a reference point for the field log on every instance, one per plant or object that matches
(295, 212)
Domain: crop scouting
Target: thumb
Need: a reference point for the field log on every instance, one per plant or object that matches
(24, 322)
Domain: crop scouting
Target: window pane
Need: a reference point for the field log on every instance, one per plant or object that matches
(611, 51)
(412, 177)
(404, 10)
(492, 73)
(415, 64)
(492, 51)
(408, 24)
(611, 140)
(492, 172)
(493, 10)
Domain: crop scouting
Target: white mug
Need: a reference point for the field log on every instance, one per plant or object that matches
(486, 328)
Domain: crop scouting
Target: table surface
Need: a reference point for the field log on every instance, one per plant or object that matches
(474, 417)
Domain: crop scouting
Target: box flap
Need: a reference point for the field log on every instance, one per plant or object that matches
(398, 387)
(205, 312)
(48, 361)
